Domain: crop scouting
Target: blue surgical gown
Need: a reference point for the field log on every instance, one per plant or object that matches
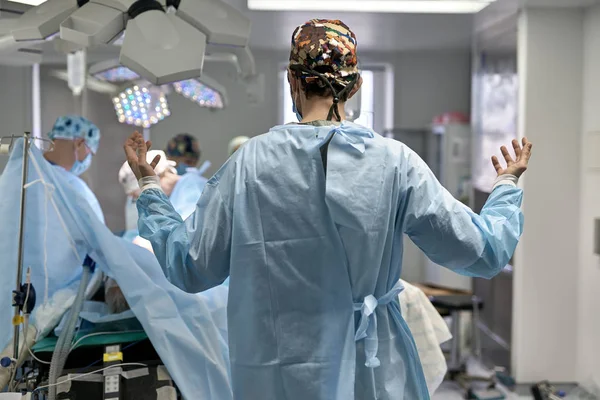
(314, 257)
(82, 188)
(186, 193)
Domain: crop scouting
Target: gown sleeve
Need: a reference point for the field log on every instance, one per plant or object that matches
(194, 254)
(450, 233)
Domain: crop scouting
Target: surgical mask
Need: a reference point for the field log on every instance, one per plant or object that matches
(182, 168)
(79, 167)
(131, 214)
(295, 110)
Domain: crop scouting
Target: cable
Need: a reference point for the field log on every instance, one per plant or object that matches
(37, 359)
(73, 347)
(123, 349)
(98, 334)
(47, 195)
(91, 373)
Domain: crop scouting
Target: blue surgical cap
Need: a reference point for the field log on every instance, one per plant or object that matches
(74, 126)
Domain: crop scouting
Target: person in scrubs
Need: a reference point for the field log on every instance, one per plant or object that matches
(76, 141)
(308, 220)
(185, 151)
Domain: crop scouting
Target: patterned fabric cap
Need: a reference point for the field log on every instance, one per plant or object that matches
(327, 46)
(74, 126)
(183, 145)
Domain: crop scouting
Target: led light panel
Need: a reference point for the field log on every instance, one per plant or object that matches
(200, 93)
(391, 6)
(141, 107)
(117, 74)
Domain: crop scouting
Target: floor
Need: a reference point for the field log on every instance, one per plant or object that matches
(451, 391)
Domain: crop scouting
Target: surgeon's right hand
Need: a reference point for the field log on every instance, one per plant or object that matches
(514, 167)
(135, 151)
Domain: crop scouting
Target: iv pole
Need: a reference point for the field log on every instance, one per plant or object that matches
(17, 316)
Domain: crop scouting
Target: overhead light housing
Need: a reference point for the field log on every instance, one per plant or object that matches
(44, 20)
(203, 91)
(29, 2)
(112, 71)
(141, 106)
(381, 6)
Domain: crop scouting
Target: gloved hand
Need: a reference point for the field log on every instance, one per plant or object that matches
(514, 167)
(135, 151)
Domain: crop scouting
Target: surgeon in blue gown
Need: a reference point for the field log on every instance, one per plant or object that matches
(308, 221)
(76, 141)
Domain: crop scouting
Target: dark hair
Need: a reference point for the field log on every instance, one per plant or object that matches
(316, 87)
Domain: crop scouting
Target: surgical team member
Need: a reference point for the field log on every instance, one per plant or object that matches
(185, 151)
(308, 221)
(76, 141)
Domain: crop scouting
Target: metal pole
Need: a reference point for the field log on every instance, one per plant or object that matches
(17, 315)
(35, 96)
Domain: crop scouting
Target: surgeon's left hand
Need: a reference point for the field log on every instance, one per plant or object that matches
(135, 151)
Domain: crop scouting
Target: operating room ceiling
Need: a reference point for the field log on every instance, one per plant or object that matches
(271, 30)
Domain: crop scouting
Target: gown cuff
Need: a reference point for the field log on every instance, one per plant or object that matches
(506, 179)
(149, 182)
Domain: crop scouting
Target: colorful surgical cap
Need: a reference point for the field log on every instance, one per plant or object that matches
(183, 145)
(71, 127)
(327, 46)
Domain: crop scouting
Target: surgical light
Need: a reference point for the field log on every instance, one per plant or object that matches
(112, 71)
(43, 21)
(388, 6)
(200, 93)
(140, 106)
(117, 74)
(165, 40)
(29, 2)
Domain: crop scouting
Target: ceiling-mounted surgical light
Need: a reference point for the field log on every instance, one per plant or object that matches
(385, 6)
(112, 71)
(141, 106)
(203, 91)
(29, 2)
(161, 47)
(43, 21)
(117, 74)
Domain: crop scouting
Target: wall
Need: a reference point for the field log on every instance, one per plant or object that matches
(215, 128)
(589, 274)
(546, 282)
(427, 83)
(15, 102)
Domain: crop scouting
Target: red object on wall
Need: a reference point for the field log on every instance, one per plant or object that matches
(451, 118)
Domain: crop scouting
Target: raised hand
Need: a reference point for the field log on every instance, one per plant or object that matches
(136, 150)
(514, 167)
